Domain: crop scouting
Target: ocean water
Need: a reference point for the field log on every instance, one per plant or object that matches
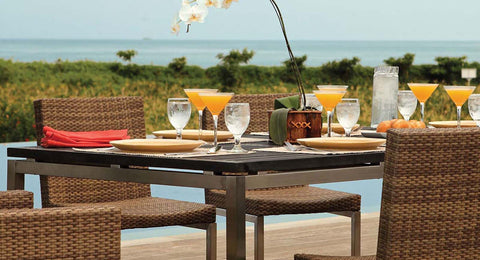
(369, 189)
(203, 53)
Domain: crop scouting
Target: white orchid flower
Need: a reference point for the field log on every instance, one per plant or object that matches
(226, 3)
(175, 28)
(195, 13)
(211, 3)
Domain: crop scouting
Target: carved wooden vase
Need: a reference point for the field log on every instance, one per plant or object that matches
(302, 124)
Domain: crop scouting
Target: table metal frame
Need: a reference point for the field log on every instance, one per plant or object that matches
(235, 185)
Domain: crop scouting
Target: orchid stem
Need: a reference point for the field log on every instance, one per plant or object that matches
(293, 62)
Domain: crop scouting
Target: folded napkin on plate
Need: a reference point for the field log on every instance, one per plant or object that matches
(57, 138)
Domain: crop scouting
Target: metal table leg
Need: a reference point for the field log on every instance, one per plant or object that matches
(235, 205)
(15, 181)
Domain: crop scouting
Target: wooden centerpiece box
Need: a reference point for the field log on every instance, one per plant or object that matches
(302, 124)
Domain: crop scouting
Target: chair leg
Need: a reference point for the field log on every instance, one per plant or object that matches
(259, 238)
(356, 233)
(212, 241)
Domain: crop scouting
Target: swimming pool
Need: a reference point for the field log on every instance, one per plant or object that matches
(369, 189)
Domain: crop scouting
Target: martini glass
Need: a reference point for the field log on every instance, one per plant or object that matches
(215, 102)
(192, 94)
(422, 91)
(329, 96)
(459, 94)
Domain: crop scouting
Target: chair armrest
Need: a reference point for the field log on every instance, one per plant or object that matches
(60, 233)
(16, 199)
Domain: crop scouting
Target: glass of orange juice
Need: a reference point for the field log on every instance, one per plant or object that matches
(329, 96)
(422, 91)
(215, 102)
(192, 94)
(459, 94)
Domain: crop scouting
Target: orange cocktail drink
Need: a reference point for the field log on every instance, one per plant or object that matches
(215, 103)
(193, 95)
(459, 94)
(329, 96)
(422, 91)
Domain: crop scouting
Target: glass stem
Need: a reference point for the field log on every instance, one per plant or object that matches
(407, 118)
(179, 134)
(422, 111)
(348, 132)
(237, 142)
(459, 111)
(200, 125)
(329, 123)
(215, 121)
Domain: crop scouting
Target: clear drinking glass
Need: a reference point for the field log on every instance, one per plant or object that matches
(313, 102)
(459, 94)
(474, 107)
(179, 111)
(348, 111)
(407, 103)
(237, 118)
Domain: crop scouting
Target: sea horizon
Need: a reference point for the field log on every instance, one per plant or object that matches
(203, 52)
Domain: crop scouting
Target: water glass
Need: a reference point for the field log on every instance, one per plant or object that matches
(348, 111)
(474, 107)
(179, 110)
(313, 102)
(407, 103)
(237, 118)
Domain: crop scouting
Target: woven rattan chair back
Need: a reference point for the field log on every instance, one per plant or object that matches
(89, 114)
(431, 195)
(259, 105)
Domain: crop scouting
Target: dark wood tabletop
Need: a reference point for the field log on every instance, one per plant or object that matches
(231, 163)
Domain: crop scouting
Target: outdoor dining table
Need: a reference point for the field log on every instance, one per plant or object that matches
(234, 173)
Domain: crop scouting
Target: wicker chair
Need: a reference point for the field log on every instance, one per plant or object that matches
(139, 209)
(285, 200)
(431, 195)
(63, 233)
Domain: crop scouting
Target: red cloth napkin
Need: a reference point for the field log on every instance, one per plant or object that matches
(57, 138)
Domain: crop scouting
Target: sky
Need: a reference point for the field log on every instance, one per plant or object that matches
(244, 20)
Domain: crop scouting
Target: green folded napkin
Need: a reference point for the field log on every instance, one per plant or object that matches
(278, 119)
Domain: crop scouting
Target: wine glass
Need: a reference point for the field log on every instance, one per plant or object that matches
(179, 111)
(215, 103)
(329, 96)
(474, 107)
(459, 94)
(237, 118)
(312, 101)
(407, 103)
(192, 94)
(348, 111)
(422, 91)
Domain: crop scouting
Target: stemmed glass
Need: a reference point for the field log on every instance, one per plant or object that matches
(237, 118)
(192, 93)
(329, 96)
(459, 94)
(312, 101)
(348, 111)
(215, 102)
(179, 111)
(407, 103)
(422, 91)
(474, 107)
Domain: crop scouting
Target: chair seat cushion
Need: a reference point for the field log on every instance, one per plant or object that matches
(290, 200)
(320, 257)
(157, 212)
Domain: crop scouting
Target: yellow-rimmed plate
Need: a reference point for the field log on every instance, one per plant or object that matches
(192, 134)
(337, 128)
(354, 143)
(157, 145)
(453, 124)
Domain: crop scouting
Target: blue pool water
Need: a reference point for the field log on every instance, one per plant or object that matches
(369, 189)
